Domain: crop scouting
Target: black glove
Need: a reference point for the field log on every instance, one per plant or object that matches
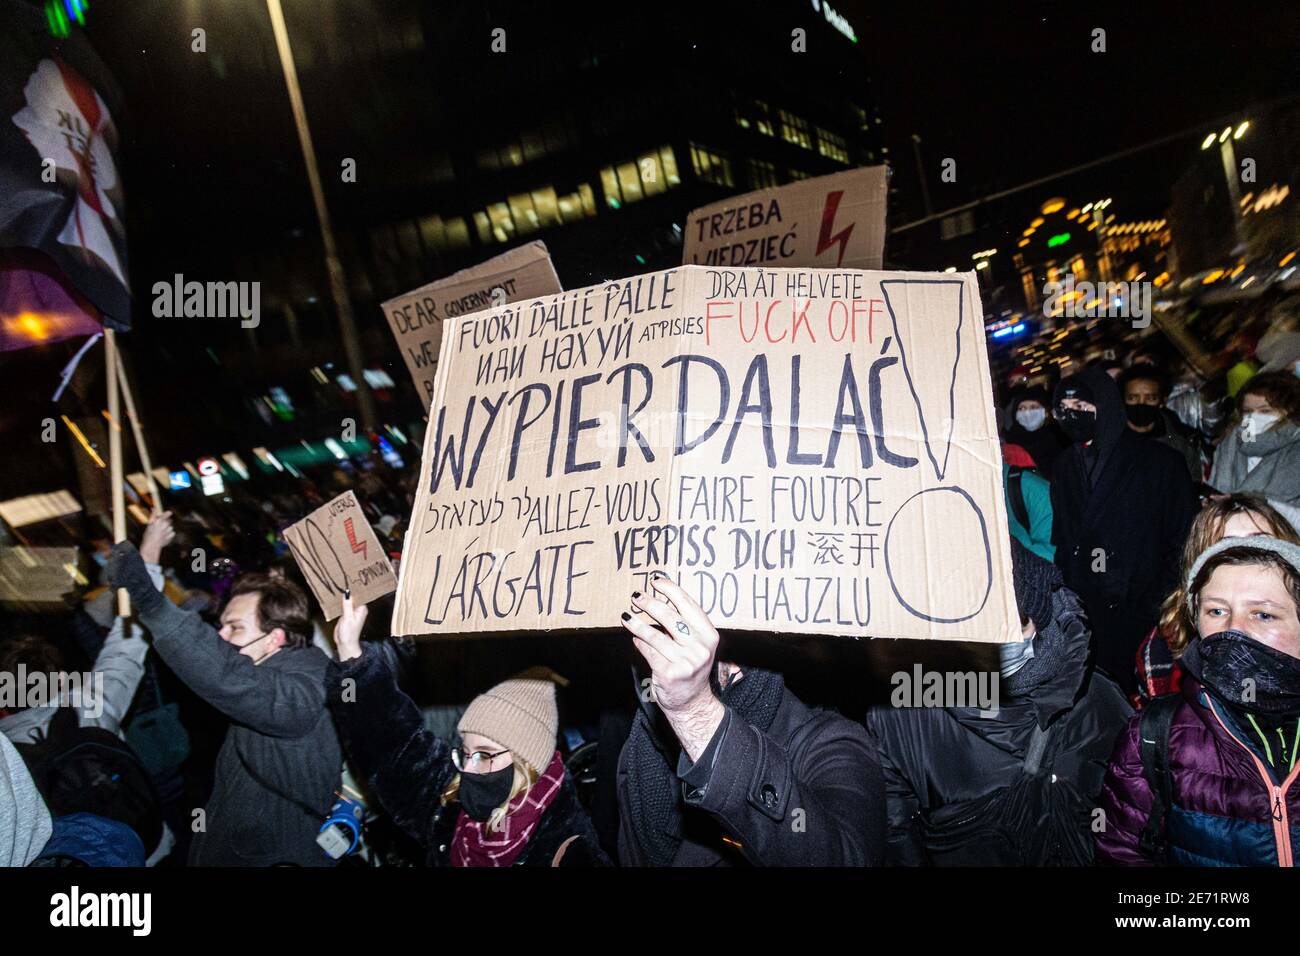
(126, 570)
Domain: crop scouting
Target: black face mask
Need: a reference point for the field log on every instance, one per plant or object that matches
(481, 793)
(1143, 416)
(1237, 667)
(1079, 425)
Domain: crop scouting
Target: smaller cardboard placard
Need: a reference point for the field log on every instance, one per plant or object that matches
(338, 551)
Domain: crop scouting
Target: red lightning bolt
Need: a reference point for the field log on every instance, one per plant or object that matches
(826, 240)
(352, 539)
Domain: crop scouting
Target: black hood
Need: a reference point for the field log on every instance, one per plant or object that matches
(1049, 683)
(1111, 421)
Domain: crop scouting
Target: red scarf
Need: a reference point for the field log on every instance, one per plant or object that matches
(475, 845)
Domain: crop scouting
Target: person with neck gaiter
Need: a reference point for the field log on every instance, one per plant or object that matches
(1261, 454)
(502, 797)
(1121, 509)
(1229, 796)
(726, 767)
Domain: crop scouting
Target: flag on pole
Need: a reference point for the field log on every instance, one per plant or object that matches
(64, 265)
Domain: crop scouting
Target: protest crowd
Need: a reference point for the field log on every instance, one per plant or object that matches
(1156, 566)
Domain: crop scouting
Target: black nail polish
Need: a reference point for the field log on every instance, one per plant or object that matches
(348, 594)
(626, 616)
(636, 594)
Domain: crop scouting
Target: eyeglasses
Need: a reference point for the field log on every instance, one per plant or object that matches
(477, 762)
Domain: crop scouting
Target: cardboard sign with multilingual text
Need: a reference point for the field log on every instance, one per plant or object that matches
(416, 318)
(338, 551)
(803, 450)
(829, 222)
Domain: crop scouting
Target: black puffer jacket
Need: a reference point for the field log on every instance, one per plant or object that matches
(937, 757)
(410, 768)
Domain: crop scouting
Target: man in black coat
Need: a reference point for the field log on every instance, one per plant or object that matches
(725, 766)
(1122, 507)
(944, 766)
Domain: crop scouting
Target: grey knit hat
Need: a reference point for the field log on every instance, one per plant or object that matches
(1288, 552)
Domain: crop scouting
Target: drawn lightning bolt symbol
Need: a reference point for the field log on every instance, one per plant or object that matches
(352, 539)
(825, 240)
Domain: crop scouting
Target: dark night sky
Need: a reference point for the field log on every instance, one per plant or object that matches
(1013, 91)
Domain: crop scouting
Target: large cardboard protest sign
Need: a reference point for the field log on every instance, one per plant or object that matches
(809, 451)
(338, 551)
(416, 318)
(830, 222)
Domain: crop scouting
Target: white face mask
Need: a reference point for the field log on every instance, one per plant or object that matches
(1254, 423)
(1031, 419)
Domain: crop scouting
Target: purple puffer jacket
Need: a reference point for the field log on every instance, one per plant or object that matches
(1227, 811)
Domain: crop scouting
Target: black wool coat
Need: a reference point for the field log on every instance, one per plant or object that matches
(811, 765)
(1119, 544)
(409, 768)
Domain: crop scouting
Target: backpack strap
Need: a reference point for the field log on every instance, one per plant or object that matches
(559, 854)
(1153, 739)
(1035, 750)
(1016, 495)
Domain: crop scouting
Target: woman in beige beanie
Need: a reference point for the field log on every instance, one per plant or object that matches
(501, 798)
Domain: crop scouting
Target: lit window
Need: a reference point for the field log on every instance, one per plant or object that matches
(629, 181)
(797, 174)
(434, 233)
(511, 155)
(741, 121)
(652, 174)
(762, 175)
(832, 146)
(457, 233)
(609, 185)
(762, 118)
(547, 206)
(710, 167)
(523, 213)
(794, 130)
(503, 227)
(482, 227)
(669, 163)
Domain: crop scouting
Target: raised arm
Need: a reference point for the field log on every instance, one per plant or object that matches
(266, 699)
(406, 765)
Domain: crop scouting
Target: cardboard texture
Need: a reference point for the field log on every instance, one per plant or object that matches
(806, 451)
(416, 318)
(337, 550)
(830, 222)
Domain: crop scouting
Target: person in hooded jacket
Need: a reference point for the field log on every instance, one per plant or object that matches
(1230, 746)
(501, 798)
(1033, 430)
(946, 768)
(1121, 507)
(1262, 453)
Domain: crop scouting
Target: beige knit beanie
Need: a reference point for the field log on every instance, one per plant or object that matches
(520, 715)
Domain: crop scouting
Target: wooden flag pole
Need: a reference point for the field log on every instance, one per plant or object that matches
(138, 431)
(115, 456)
